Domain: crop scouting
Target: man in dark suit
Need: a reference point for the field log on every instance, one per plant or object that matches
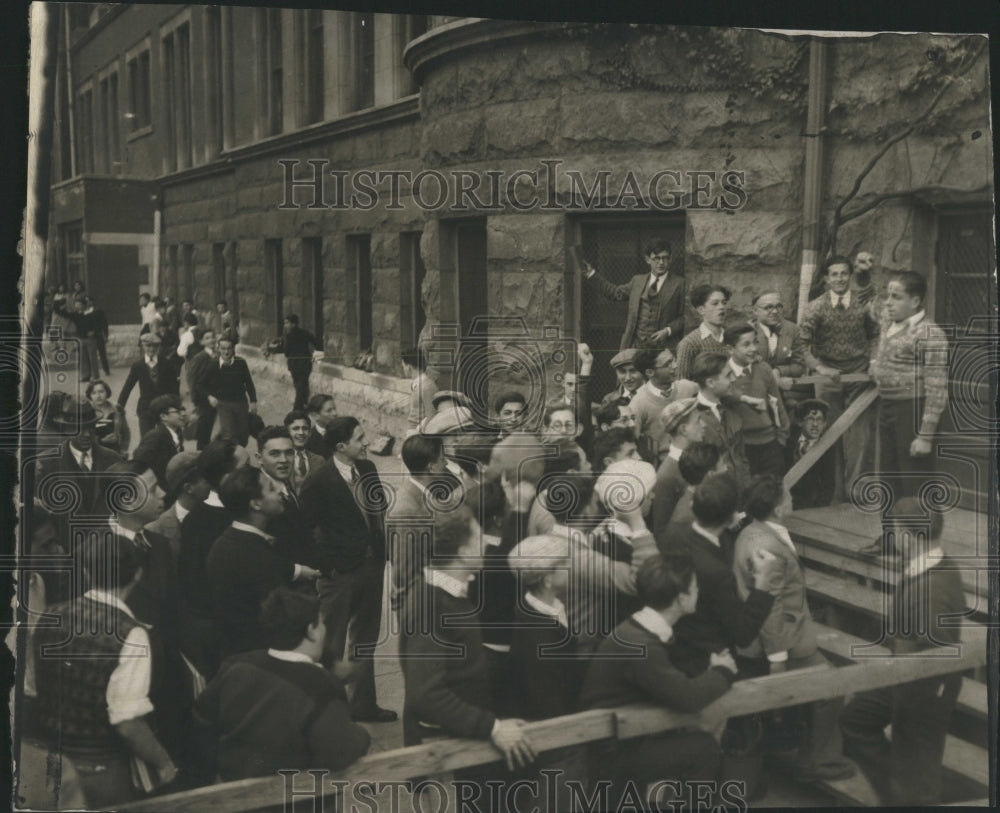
(321, 410)
(656, 300)
(154, 376)
(781, 346)
(300, 430)
(165, 439)
(295, 344)
(276, 456)
(199, 373)
(722, 619)
(76, 460)
(344, 504)
(714, 376)
(100, 326)
(186, 489)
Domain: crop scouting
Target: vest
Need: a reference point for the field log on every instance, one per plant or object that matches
(645, 324)
(72, 683)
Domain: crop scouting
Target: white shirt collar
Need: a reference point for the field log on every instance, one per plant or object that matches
(150, 362)
(78, 455)
(251, 529)
(418, 484)
(708, 535)
(447, 582)
(845, 298)
(344, 469)
(173, 434)
(282, 487)
(674, 452)
(712, 406)
(767, 330)
(650, 620)
(320, 430)
(121, 530)
(109, 598)
(291, 657)
(922, 564)
(224, 363)
(213, 500)
(654, 390)
(617, 527)
(657, 282)
(705, 331)
(782, 533)
(556, 609)
(180, 511)
(906, 324)
(739, 369)
(455, 469)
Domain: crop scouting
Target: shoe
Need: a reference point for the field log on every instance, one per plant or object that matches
(375, 715)
(825, 773)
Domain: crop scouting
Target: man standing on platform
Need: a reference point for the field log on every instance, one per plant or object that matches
(840, 332)
(229, 389)
(781, 345)
(656, 300)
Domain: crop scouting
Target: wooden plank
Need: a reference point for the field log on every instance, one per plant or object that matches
(974, 700)
(967, 759)
(846, 378)
(856, 790)
(831, 435)
(842, 645)
(441, 756)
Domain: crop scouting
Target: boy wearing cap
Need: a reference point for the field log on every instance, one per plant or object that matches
(683, 424)
(815, 488)
(186, 488)
(164, 440)
(629, 375)
(154, 377)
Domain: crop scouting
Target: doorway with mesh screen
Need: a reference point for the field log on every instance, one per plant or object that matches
(616, 247)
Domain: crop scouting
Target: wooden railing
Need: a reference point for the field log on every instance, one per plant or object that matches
(442, 757)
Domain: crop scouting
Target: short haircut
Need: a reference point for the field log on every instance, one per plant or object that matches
(293, 318)
(663, 577)
(707, 364)
(715, 499)
(552, 409)
(415, 357)
(519, 458)
(610, 412)
(766, 292)
(911, 514)
(199, 333)
(645, 359)
(837, 259)
(732, 334)
(701, 293)
(763, 495)
(295, 415)
(226, 336)
(913, 283)
(609, 443)
(697, 460)
(189, 319)
(452, 530)
(316, 402)
(419, 451)
(286, 615)
(111, 561)
(567, 459)
(98, 382)
(340, 430)
(568, 494)
(658, 246)
(162, 404)
(269, 433)
(240, 488)
(217, 460)
(512, 397)
(144, 296)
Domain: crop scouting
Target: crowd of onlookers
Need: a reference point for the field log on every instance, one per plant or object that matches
(605, 552)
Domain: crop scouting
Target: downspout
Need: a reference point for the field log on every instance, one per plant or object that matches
(70, 92)
(813, 187)
(155, 277)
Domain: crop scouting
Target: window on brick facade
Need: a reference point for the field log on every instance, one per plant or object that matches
(312, 66)
(218, 272)
(362, 39)
(72, 256)
(111, 138)
(274, 284)
(139, 91)
(177, 96)
(190, 286)
(218, 67)
(270, 65)
(175, 273)
(411, 277)
(85, 132)
(360, 270)
(409, 28)
(312, 285)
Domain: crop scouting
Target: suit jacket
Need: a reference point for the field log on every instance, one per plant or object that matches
(199, 371)
(155, 449)
(342, 535)
(668, 305)
(789, 359)
(727, 437)
(722, 618)
(139, 373)
(313, 462)
(317, 445)
(169, 527)
(669, 488)
(789, 628)
(61, 463)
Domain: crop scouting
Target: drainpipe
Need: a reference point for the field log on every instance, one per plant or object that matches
(813, 188)
(155, 276)
(70, 93)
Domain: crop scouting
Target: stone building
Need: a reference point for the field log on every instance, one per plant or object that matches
(394, 178)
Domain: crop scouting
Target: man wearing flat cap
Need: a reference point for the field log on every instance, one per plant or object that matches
(683, 425)
(165, 439)
(186, 487)
(630, 377)
(154, 375)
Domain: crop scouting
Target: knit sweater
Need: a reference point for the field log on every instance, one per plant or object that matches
(693, 344)
(232, 382)
(759, 427)
(912, 364)
(837, 337)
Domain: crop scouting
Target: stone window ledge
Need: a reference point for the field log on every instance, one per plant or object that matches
(341, 371)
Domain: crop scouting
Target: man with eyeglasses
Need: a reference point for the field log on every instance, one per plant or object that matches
(656, 299)
(165, 439)
(781, 346)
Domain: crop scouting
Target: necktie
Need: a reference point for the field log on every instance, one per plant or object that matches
(153, 373)
(290, 498)
(180, 446)
(772, 341)
(301, 465)
(654, 286)
(354, 474)
(840, 304)
(85, 461)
